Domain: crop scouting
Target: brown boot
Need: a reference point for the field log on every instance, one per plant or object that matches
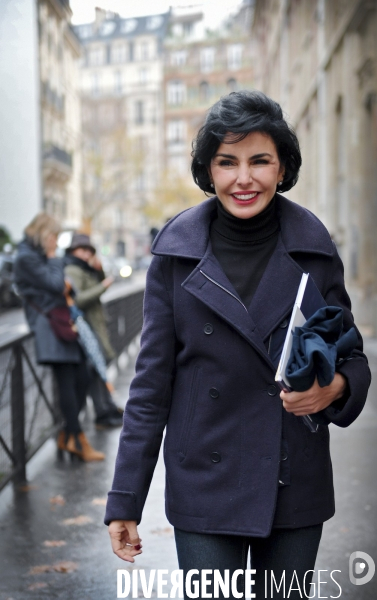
(80, 446)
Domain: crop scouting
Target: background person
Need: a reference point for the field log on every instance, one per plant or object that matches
(84, 271)
(242, 470)
(39, 276)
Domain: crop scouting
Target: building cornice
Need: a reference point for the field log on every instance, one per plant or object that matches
(72, 39)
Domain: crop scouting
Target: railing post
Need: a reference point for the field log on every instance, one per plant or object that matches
(18, 416)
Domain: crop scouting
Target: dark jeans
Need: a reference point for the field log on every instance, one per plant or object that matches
(284, 551)
(73, 381)
(103, 403)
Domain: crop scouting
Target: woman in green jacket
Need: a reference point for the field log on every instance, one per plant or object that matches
(84, 271)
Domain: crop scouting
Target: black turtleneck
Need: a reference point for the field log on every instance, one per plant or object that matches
(243, 247)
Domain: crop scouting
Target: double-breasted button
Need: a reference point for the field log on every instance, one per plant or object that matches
(284, 324)
(272, 390)
(215, 457)
(283, 455)
(208, 329)
(214, 393)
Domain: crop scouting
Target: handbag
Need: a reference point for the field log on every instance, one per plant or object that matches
(62, 324)
(61, 321)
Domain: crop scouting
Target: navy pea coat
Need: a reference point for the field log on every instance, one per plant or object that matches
(206, 372)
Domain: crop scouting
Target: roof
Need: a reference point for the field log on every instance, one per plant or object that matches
(115, 27)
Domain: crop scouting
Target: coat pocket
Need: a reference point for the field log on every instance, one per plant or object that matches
(190, 411)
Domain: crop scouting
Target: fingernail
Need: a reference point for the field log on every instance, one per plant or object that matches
(137, 547)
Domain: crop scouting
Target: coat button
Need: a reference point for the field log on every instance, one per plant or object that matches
(215, 457)
(283, 455)
(214, 393)
(208, 329)
(272, 390)
(284, 324)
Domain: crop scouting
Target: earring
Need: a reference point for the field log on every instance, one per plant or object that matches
(280, 183)
(212, 185)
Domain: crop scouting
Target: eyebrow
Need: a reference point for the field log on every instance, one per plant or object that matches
(254, 155)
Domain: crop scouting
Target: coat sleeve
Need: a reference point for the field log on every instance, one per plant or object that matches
(47, 275)
(355, 369)
(148, 406)
(84, 297)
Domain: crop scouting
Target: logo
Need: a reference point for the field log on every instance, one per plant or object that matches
(361, 564)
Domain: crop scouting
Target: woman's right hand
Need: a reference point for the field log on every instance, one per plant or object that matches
(125, 539)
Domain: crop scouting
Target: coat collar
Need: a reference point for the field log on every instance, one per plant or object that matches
(186, 235)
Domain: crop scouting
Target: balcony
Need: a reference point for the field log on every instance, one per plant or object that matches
(57, 164)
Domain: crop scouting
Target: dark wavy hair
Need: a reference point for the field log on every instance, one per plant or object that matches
(231, 119)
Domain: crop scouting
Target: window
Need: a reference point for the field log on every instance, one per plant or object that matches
(176, 92)
(232, 85)
(95, 84)
(188, 28)
(176, 131)
(131, 51)
(107, 28)
(154, 22)
(119, 53)
(235, 56)
(140, 182)
(207, 59)
(204, 91)
(178, 58)
(85, 31)
(143, 75)
(118, 82)
(139, 112)
(144, 50)
(129, 25)
(96, 56)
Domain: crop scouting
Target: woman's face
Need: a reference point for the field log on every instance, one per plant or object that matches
(245, 174)
(50, 243)
(84, 253)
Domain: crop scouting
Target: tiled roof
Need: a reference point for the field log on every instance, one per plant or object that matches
(123, 28)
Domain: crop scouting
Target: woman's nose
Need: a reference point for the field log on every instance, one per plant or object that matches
(244, 175)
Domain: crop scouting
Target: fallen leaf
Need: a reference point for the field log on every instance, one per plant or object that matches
(54, 543)
(65, 566)
(99, 501)
(27, 488)
(81, 520)
(40, 569)
(57, 500)
(37, 585)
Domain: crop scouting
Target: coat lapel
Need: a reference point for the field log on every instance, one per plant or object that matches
(276, 292)
(209, 284)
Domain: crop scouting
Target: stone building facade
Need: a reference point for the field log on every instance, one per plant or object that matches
(59, 52)
(319, 60)
(122, 116)
(200, 67)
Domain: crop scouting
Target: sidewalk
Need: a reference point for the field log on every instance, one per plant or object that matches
(53, 543)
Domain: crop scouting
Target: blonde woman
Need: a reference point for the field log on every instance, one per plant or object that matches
(40, 280)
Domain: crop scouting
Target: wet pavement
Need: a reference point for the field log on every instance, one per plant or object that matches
(53, 543)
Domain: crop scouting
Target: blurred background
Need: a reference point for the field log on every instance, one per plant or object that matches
(99, 106)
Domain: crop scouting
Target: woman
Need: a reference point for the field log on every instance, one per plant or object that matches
(39, 276)
(84, 270)
(242, 470)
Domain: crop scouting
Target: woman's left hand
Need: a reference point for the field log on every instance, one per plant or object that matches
(315, 399)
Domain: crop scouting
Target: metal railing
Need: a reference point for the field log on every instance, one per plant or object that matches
(29, 412)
